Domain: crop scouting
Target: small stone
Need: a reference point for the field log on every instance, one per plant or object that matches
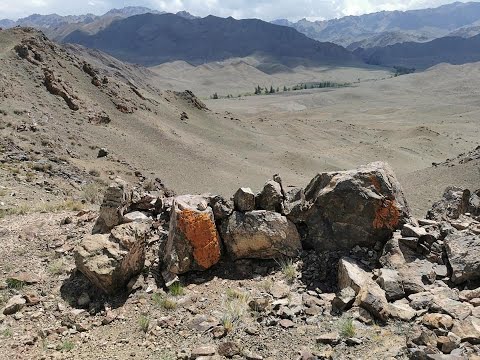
(286, 324)
(280, 290)
(136, 216)
(83, 300)
(353, 341)
(15, 304)
(344, 299)
(413, 231)
(438, 321)
(251, 356)
(206, 350)
(252, 330)
(328, 339)
(102, 153)
(259, 304)
(219, 332)
(228, 349)
(32, 299)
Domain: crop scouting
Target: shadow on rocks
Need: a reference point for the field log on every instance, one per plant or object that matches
(80, 293)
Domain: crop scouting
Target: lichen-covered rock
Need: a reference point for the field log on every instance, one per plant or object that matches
(111, 261)
(193, 241)
(463, 253)
(349, 208)
(116, 200)
(454, 203)
(260, 234)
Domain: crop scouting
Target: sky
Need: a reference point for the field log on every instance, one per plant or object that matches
(263, 9)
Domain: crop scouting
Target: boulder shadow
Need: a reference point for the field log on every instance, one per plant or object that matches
(77, 285)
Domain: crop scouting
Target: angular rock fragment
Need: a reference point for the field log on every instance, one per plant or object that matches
(390, 281)
(260, 234)
(271, 197)
(15, 304)
(111, 261)
(468, 330)
(463, 252)
(244, 200)
(344, 299)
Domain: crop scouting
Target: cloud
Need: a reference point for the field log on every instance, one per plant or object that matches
(264, 9)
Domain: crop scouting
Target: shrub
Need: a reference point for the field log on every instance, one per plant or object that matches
(288, 269)
(67, 346)
(347, 328)
(165, 302)
(93, 193)
(176, 289)
(144, 323)
(15, 284)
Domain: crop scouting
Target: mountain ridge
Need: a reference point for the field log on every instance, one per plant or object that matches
(431, 22)
(151, 39)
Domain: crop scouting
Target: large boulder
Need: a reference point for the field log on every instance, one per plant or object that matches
(116, 200)
(455, 202)
(110, 261)
(348, 208)
(260, 234)
(463, 252)
(193, 240)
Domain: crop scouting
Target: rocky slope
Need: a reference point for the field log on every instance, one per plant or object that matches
(154, 39)
(195, 277)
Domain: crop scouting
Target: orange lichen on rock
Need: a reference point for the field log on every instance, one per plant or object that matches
(387, 215)
(201, 232)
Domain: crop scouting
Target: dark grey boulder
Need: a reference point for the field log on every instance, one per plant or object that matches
(348, 208)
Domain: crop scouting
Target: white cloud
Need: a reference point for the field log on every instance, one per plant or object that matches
(265, 9)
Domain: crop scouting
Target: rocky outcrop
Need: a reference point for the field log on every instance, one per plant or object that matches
(349, 208)
(260, 234)
(117, 199)
(454, 203)
(193, 241)
(109, 261)
(55, 87)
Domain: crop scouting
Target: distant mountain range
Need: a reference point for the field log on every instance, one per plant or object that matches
(417, 38)
(453, 50)
(391, 27)
(151, 39)
(56, 27)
